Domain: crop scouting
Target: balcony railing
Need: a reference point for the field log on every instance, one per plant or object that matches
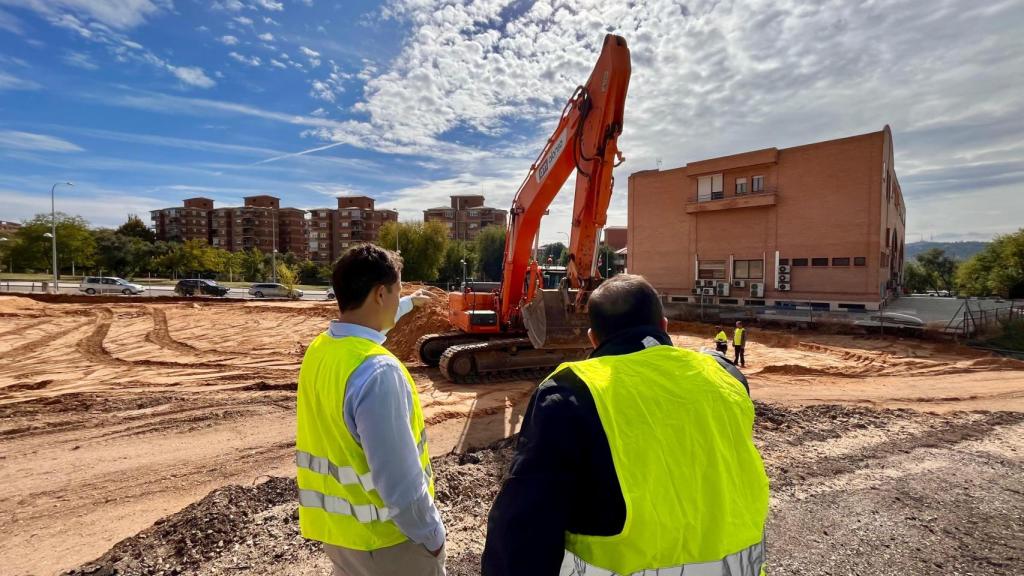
(721, 195)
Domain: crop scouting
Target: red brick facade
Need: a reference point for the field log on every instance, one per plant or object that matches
(466, 216)
(832, 212)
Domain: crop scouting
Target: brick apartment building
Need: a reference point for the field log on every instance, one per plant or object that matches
(355, 220)
(616, 237)
(466, 216)
(322, 222)
(260, 223)
(8, 228)
(820, 224)
(190, 222)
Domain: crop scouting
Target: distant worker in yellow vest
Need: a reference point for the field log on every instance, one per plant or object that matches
(739, 343)
(366, 488)
(642, 431)
(721, 340)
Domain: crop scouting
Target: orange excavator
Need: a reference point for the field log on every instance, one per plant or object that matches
(519, 328)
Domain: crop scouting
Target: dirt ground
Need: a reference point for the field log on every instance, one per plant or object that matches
(117, 420)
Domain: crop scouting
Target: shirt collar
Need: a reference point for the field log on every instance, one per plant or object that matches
(344, 329)
(632, 340)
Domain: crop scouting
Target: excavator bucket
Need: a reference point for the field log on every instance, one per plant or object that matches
(549, 323)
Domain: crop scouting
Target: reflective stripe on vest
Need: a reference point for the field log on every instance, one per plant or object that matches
(346, 474)
(365, 513)
(746, 562)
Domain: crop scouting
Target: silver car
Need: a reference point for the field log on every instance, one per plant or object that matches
(109, 285)
(271, 290)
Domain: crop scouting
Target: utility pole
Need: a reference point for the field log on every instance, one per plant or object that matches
(53, 232)
(273, 240)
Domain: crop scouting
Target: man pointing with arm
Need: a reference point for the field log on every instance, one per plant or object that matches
(365, 483)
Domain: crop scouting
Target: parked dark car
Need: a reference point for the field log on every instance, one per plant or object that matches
(200, 287)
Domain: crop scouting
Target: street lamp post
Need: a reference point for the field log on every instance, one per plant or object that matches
(4, 240)
(273, 241)
(53, 231)
(463, 262)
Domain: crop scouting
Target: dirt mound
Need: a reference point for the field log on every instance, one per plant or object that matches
(796, 370)
(430, 318)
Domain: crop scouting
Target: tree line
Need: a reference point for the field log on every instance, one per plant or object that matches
(132, 250)
(998, 270)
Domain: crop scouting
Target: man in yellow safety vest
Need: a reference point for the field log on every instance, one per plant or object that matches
(366, 488)
(638, 460)
(721, 340)
(739, 343)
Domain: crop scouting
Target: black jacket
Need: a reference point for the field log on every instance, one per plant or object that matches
(562, 477)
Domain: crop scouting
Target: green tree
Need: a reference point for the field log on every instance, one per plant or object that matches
(287, 276)
(75, 243)
(121, 255)
(311, 273)
(423, 246)
(939, 268)
(253, 269)
(231, 263)
(553, 251)
(490, 249)
(915, 279)
(136, 228)
(451, 265)
(996, 270)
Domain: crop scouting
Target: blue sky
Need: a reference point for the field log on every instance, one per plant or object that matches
(145, 102)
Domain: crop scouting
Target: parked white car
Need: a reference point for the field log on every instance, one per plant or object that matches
(271, 290)
(109, 285)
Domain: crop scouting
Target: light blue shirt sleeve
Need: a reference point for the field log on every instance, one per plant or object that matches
(377, 407)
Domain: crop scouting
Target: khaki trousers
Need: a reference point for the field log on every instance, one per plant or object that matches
(405, 559)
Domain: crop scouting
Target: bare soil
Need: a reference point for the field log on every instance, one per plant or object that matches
(150, 429)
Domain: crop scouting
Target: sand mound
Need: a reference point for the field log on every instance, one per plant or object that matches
(795, 370)
(428, 319)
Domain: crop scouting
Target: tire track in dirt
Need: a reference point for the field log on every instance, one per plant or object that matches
(161, 335)
(943, 433)
(15, 354)
(91, 347)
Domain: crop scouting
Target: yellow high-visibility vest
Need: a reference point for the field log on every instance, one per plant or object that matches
(721, 337)
(737, 337)
(680, 429)
(337, 500)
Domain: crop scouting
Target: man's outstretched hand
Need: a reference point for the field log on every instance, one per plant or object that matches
(421, 297)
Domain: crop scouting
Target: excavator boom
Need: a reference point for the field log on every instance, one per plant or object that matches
(521, 330)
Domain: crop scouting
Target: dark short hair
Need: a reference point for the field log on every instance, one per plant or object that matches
(361, 269)
(623, 302)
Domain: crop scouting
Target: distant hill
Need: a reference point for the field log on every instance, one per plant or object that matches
(958, 250)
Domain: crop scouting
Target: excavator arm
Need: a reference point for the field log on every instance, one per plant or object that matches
(584, 143)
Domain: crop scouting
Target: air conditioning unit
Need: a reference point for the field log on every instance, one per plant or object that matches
(695, 291)
(723, 289)
(783, 277)
(784, 269)
(784, 287)
(738, 283)
(698, 283)
(757, 289)
(707, 291)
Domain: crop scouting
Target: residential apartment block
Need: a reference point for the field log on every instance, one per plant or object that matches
(820, 224)
(466, 216)
(8, 228)
(355, 220)
(260, 223)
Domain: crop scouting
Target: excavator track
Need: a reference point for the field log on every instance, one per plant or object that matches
(430, 347)
(502, 359)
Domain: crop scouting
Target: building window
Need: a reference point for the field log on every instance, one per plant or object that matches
(741, 186)
(473, 225)
(709, 188)
(783, 261)
(344, 224)
(860, 261)
(799, 261)
(840, 261)
(474, 213)
(711, 270)
(449, 214)
(344, 244)
(757, 183)
(748, 269)
(819, 261)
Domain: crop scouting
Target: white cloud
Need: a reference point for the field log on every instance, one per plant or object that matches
(248, 60)
(228, 40)
(307, 2)
(321, 91)
(329, 88)
(193, 76)
(10, 23)
(270, 21)
(79, 60)
(312, 55)
(318, 113)
(277, 64)
(266, 37)
(120, 15)
(228, 5)
(243, 20)
(270, 5)
(8, 82)
(38, 142)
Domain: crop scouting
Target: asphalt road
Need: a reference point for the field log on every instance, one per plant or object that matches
(25, 287)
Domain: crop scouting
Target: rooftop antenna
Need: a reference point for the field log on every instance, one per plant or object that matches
(659, 163)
